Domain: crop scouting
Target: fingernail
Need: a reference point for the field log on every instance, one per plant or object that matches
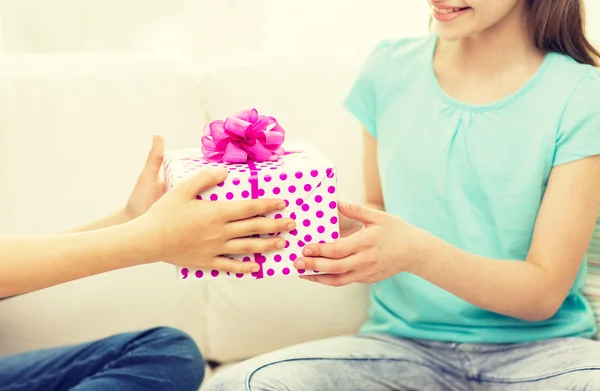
(291, 226)
(307, 252)
(281, 206)
(300, 265)
(280, 244)
(255, 268)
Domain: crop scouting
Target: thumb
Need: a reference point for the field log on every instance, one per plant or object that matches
(200, 181)
(155, 157)
(360, 213)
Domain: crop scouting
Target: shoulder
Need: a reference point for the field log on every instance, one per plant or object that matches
(579, 127)
(577, 81)
(393, 52)
(588, 87)
(403, 47)
(584, 88)
(394, 60)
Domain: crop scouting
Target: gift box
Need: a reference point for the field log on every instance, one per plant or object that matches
(296, 172)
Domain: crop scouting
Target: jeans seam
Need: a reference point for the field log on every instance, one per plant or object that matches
(469, 371)
(493, 379)
(253, 372)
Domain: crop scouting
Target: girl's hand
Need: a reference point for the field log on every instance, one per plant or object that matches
(149, 187)
(191, 233)
(387, 245)
(348, 226)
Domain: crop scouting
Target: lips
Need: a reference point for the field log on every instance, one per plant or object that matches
(448, 10)
(447, 13)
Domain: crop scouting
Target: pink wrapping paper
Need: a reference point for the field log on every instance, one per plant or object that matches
(305, 179)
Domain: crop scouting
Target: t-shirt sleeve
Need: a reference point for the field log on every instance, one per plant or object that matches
(579, 132)
(361, 101)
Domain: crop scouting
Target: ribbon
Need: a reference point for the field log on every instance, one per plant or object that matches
(246, 136)
(258, 258)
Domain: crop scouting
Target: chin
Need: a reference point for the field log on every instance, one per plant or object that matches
(451, 34)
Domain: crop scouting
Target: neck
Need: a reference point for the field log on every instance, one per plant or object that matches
(487, 52)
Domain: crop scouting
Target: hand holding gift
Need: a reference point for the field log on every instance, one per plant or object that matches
(250, 147)
(387, 245)
(214, 228)
(149, 186)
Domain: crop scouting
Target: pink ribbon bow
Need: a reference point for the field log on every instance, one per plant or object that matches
(245, 136)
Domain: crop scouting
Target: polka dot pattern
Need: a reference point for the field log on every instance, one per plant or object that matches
(305, 181)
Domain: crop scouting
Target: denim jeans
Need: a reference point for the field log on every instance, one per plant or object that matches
(385, 363)
(158, 359)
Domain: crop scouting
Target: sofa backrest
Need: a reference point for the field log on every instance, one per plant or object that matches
(305, 95)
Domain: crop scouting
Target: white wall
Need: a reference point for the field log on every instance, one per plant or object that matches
(83, 25)
(203, 28)
(318, 25)
(593, 20)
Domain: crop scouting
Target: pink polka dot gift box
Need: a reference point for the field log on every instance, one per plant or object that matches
(251, 147)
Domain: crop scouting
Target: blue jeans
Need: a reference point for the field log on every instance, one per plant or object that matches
(381, 362)
(158, 359)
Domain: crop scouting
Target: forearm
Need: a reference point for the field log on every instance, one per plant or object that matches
(116, 218)
(29, 263)
(509, 287)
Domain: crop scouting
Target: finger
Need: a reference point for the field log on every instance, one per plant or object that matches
(259, 225)
(254, 245)
(336, 280)
(240, 210)
(155, 157)
(326, 265)
(234, 266)
(336, 250)
(200, 181)
(360, 213)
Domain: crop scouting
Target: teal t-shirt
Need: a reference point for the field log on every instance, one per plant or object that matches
(474, 176)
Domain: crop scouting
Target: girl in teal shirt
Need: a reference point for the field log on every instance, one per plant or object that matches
(481, 146)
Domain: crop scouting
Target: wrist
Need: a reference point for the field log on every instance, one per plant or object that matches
(423, 252)
(127, 213)
(145, 239)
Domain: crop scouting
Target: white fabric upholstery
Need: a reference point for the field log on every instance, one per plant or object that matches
(74, 132)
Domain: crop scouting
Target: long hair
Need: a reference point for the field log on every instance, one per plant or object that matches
(559, 26)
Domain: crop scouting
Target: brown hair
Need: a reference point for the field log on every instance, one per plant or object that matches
(559, 26)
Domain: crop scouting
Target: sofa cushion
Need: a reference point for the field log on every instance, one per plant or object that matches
(246, 318)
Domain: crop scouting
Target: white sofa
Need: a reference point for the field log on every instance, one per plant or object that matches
(74, 131)
(73, 134)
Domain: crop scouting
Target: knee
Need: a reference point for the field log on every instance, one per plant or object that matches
(175, 342)
(176, 349)
(233, 379)
(256, 376)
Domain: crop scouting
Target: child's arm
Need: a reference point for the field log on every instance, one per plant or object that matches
(374, 194)
(178, 229)
(531, 290)
(29, 263)
(148, 189)
(115, 218)
(534, 289)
